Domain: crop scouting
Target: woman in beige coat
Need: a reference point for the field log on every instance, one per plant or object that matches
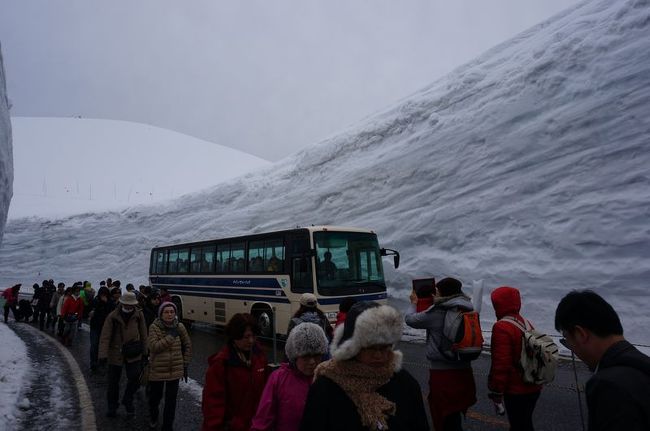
(170, 351)
(122, 345)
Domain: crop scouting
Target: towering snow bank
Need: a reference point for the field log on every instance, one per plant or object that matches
(526, 167)
(6, 158)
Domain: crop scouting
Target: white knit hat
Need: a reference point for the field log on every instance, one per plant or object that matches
(305, 339)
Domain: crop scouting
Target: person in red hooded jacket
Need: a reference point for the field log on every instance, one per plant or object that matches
(235, 378)
(505, 381)
(10, 295)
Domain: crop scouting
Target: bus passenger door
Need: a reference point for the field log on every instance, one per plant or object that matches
(300, 255)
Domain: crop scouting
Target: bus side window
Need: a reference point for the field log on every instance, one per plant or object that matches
(195, 259)
(223, 257)
(256, 256)
(173, 261)
(161, 263)
(274, 255)
(183, 260)
(207, 263)
(238, 257)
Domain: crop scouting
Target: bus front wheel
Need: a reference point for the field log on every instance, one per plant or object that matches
(264, 318)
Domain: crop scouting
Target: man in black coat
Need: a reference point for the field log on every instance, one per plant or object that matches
(618, 394)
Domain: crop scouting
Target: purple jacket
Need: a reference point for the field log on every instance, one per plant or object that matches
(283, 400)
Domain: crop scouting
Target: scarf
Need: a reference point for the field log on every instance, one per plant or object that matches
(244, 357)
(360, 383)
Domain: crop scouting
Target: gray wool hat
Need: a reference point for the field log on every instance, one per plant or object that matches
(305, 339)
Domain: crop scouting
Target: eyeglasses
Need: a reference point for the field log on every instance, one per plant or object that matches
(564, 341)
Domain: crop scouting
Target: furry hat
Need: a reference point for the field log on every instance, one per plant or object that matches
(305, 339)
(366, 324)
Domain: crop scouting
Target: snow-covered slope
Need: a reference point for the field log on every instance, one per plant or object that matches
(6, 159)
(66, 166)
(526, 167)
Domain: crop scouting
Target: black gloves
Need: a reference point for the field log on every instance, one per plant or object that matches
(173, 332)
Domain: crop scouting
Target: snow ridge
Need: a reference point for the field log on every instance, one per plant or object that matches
(525, 167)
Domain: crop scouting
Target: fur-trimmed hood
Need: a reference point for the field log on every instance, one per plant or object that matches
(366, 324)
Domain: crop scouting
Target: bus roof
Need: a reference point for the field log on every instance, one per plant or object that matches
(310, 229)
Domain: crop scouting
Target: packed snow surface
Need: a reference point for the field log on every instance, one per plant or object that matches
(66, 166)
(6, 158)
(525, 167)
(13, 370)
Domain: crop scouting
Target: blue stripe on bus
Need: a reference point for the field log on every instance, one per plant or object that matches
(234, 282)
(182, 288)
(275, 299)
(327, 301)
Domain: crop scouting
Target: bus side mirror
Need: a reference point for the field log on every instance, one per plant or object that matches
(389, 252)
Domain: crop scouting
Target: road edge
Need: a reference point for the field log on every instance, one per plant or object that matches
(86, 406)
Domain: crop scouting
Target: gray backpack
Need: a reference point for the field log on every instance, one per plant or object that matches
(539, 354)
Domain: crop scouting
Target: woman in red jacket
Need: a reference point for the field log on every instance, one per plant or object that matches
(235, 379)
(72, 312)
(505, 381)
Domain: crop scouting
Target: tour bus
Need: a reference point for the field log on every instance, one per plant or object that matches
(265, 274)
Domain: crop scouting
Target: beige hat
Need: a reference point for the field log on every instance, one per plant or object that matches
(129, 299)
(308, 300)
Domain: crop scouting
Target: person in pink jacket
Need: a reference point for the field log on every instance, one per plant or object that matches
(285, 393)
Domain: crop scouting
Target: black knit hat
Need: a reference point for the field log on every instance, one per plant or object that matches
(449, 286)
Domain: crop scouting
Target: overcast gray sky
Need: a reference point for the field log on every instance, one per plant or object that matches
(266, 77)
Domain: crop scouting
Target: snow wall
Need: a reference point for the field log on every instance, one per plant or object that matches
(6, 157)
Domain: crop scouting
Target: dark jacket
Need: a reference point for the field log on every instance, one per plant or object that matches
(100, 310)
(232, 390)
(505, 372)
(150, 313)
(312, 317)
(618, 395)
(44, 298)
(328, 408)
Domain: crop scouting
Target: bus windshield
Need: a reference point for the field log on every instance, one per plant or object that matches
(348, 262)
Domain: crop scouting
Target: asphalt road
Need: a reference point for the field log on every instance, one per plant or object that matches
(557, 408)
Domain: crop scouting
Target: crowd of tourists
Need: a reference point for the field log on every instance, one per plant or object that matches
(350, 376)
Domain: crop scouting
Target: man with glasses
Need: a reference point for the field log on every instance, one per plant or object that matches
(618, 394)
